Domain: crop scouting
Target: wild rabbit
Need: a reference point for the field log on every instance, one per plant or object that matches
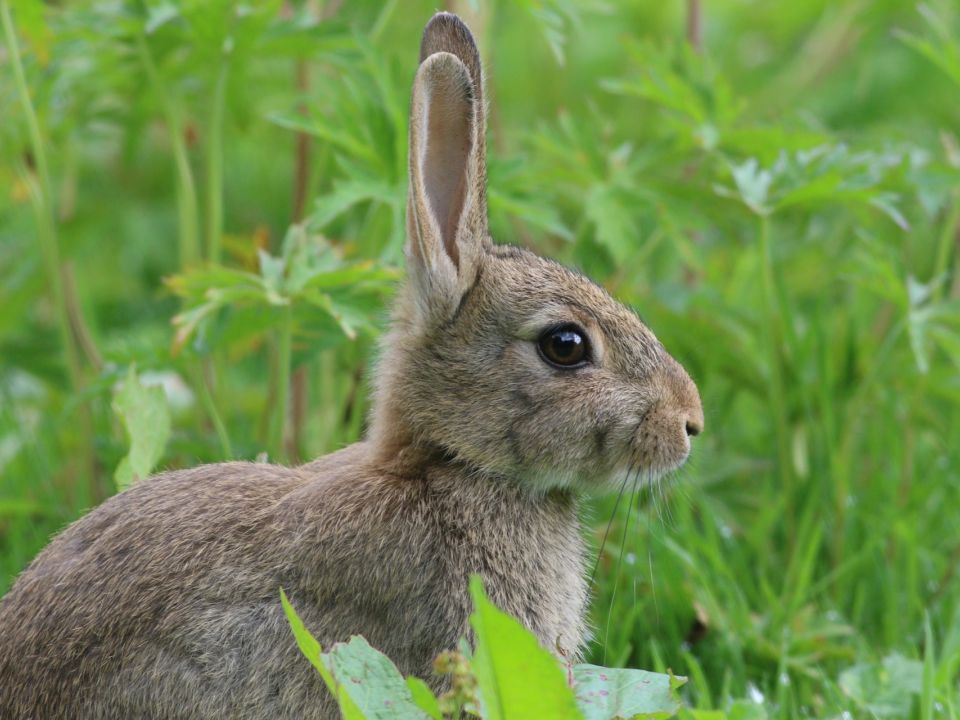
(507, 385)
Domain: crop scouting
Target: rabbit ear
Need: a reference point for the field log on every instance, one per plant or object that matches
(446, 206)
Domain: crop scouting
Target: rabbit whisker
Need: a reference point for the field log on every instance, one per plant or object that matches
(623, 542)
(606, 532)
(653, 582)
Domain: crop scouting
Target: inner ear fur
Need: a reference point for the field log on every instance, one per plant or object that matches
(444, 133)
(446, 206)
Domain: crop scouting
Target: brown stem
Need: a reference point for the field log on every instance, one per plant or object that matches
(299, 387)
(78, 325)
(694, 25)
(301, 167)
(946, 579)
(350, 404)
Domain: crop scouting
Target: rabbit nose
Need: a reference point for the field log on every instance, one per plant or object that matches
(685, 398)
(693, 417)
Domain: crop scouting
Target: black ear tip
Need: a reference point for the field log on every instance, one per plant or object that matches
(446, 32)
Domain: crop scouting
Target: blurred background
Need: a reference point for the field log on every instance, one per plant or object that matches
(201, 224)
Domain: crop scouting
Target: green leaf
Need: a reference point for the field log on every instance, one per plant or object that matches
(746, 710)
(159, 15)
(614, 225)
(424, 697)
(620, 692)
(146, 417)
(312, 651)
(886, 689)
(371, 681)
(348, 193)
(517, 678)
(753, 184)
(305, 641)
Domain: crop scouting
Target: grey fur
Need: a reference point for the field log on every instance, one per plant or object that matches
(163, 601)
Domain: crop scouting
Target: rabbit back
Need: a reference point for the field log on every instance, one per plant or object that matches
(163, 602)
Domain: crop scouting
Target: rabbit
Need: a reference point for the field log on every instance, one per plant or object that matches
(507, 387)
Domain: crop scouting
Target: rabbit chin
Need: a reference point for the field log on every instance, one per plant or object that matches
(590, 482)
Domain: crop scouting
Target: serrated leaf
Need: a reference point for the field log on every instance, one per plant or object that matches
(348, 193)
(753, 184)
(614, 224)
(146, 417)
(624, 693)
(371, 681)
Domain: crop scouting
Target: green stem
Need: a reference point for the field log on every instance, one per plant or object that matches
(187, 214)
(43, 203)
(215, 165)
(380, 24)
(282, 385)
(210, 408)
(775, 336)
(945, 243)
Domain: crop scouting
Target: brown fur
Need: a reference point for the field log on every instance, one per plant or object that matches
(163, 602)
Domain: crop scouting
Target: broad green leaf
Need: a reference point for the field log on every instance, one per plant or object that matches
(746, 710)
(516, 677)
(159, 15)
(31, 23)
(371, 681)
(313, 652)
(884, 689)
(146, 417)
(424, 698)
(620, 692)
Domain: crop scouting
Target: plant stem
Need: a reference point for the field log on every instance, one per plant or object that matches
(282, 384)
(301, 183)
(210, 407)
(775, 335)
(81, 332)
(64, 294)
(945, 243)
(694, 25)
(215, 164)
(189, 245)
(43, 202)
(386, 12)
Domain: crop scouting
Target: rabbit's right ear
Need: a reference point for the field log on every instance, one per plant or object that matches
(446, 205)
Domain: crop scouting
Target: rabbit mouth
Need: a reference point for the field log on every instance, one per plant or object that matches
(641, 472)
(634, 470)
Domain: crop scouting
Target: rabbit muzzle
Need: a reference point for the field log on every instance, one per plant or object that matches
(661, 442)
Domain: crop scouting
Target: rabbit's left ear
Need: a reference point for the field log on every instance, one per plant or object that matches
(446, 205)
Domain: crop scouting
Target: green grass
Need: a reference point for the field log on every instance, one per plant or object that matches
(781, 207)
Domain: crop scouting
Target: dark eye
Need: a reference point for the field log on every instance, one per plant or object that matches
(565, 346)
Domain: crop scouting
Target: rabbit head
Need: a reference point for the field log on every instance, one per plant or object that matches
(503, 360)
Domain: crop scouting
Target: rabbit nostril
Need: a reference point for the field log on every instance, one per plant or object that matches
(693, 428)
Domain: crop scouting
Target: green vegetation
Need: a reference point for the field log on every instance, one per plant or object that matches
(507, 676)
(212, 193)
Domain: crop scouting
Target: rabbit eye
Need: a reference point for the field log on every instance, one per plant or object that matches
(565, 347)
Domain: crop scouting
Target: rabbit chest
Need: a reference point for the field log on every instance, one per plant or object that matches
(396, 554)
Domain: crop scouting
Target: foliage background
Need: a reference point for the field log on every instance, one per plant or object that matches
(774, 186)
